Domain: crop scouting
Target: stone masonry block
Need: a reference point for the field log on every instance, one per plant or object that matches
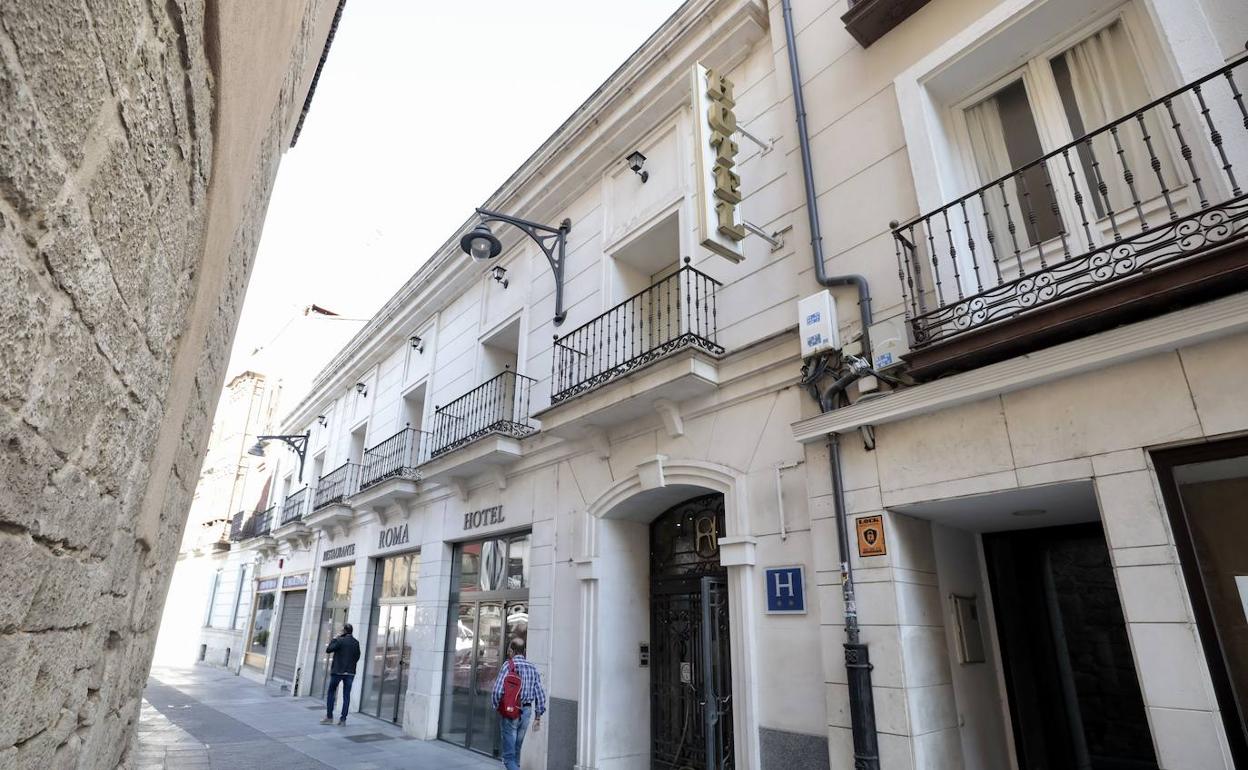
(63, 69)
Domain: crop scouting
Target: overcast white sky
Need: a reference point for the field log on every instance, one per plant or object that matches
(423, 109)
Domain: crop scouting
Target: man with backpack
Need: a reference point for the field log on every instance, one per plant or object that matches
(346, 652)
(518, 697)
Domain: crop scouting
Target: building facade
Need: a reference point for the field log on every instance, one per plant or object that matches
(1015, 232)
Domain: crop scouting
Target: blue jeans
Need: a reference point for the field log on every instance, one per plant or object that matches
(512, 731)
(334, 679)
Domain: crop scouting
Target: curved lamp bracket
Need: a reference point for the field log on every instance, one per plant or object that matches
(297, 442)
(551, 240)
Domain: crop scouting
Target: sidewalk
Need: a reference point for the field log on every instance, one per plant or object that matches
(200, 717)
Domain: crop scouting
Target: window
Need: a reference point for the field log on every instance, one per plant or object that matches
(239, 605)
(1052, 100)
(494, 565)
(1205, 489)
(262, 623)
(212, 597)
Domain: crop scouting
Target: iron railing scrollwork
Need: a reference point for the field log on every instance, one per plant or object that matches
(293, 506)
(336, 486)
(499, 405)
(676, 312)
(396, 457)
(1149, 189)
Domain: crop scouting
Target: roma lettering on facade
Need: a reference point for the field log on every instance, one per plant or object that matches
(484, 517)
(388, 538)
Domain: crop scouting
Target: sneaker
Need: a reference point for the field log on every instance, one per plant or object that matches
(342, 722)
(327, 721)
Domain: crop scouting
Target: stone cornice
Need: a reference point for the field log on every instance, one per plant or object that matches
(1099, 351)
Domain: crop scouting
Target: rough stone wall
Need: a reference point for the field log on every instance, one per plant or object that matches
(130, 211)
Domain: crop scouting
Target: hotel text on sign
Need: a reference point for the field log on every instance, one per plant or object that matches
(715, 154)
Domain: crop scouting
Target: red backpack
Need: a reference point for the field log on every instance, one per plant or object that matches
(509, 704)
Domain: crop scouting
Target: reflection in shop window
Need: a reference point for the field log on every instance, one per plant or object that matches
(262, 621)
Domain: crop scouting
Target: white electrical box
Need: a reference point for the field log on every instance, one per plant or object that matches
(816, 323)
(889, 342)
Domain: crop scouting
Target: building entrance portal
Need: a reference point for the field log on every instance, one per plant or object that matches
(690, 669)
(1074, 696)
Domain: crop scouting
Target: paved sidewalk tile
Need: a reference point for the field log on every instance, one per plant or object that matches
(202, 718)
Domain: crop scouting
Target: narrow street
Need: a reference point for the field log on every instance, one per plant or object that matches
(199, 717)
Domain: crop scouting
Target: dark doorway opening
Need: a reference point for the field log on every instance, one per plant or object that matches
(1074, 696)
(690, 669)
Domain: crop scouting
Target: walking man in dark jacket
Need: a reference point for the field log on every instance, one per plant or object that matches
(346, 652)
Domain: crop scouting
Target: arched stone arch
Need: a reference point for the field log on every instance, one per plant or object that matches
(656, 485)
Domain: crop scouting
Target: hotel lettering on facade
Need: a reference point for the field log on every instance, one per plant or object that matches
(1028, 419)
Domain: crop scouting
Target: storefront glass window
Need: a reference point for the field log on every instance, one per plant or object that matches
(262, 623)
(1206, 489)
(489, 606)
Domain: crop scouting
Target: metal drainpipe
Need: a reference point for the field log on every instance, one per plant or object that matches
(808, 179)
(857, 659)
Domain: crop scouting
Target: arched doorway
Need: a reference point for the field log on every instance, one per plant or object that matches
(690, 668)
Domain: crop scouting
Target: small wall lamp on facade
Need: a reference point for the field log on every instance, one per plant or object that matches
(500, 275)
(321, 420)
(636, 161)
(417, 343)
(481, 244)
(298, 442)
(361, 388)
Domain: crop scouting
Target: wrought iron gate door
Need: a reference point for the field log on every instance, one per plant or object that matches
(690, 668)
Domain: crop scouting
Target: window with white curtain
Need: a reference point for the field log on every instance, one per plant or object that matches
(1050, 101)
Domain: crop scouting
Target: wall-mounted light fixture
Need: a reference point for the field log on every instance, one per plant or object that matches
(636, 161)
(361, 388)
(299, 443)
(482, 245)
(320, 418)
(500, 274)
(417, 343)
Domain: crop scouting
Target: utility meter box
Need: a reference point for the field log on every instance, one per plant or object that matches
(889, 342)
(816, 323)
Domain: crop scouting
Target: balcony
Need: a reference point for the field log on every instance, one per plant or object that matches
(329, 498)
(293, 506)
(657, 347)
(336, 486)
(236, 527)
(389, 473)
(1143, 215)
(480, 430)
(292, 528)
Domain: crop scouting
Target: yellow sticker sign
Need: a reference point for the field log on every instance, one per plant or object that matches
(871, 536)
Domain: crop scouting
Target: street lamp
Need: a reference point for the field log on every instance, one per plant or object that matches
(482, 245)
(297, 442)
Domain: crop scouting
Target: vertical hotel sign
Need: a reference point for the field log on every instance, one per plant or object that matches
(719, 187)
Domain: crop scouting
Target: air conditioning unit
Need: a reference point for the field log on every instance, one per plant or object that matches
(816, 324)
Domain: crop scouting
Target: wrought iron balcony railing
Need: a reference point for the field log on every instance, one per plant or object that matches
(396, 457)
(499, 405)
(236, 526)
(1086, 215)
(677, 312)
(264, 521)
(293, 506)
(336, 486)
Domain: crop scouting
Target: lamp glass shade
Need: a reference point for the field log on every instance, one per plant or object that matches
(481, 244)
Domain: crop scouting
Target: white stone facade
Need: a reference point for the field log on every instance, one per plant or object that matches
(1066, 429)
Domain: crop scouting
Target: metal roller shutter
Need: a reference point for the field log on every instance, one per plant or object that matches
(288, 636)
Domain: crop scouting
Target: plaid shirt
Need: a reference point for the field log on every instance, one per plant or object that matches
(531, 690)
